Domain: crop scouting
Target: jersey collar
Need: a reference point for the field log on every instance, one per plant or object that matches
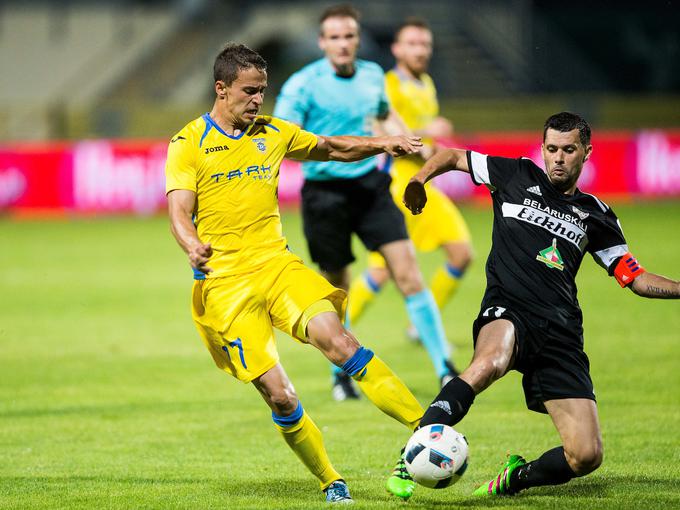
(209, 120)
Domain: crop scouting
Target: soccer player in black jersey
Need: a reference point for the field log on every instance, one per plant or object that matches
(530, 319)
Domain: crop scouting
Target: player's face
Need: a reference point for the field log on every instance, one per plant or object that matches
(339, 40)
(564, 156)
(413, 49)
(244, 97)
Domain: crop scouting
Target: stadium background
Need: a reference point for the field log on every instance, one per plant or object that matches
(107, 398)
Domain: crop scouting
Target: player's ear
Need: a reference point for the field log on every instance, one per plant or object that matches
(589, 151)
(220, 89)
(395, 50)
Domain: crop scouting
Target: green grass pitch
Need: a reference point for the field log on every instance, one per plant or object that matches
(108, 399)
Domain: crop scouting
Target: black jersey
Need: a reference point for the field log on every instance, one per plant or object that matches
(540, 236)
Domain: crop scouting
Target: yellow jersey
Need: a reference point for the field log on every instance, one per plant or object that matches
(235, 179)
(416, 103)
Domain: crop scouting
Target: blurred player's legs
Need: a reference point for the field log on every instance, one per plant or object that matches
(420, 305)
(446, 278)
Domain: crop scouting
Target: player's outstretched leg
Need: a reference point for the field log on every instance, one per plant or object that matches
(492, 359)
(382, 387)
(448, 407)
(299, 431)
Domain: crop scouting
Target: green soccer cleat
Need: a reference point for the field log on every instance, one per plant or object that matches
(400, 483)
(500, 486)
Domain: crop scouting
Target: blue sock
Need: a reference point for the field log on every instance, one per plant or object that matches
(425, 316)
(289, 421)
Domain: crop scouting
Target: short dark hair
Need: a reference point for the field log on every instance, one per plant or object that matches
(340, 11)
(234, 58)
(411, 21)
(567, 121)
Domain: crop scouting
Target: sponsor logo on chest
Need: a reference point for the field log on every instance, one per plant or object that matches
(561, 224)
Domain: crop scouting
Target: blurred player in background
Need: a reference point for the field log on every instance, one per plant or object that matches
(221, 181)
(341, 94)
(530, 319)
(412, 94)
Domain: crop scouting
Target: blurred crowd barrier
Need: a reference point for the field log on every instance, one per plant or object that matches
(127, 177)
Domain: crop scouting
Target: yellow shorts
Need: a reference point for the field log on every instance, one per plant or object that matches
(235, 315)
(440, 222)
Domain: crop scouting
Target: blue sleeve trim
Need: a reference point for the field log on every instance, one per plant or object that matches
(358, 361)
(289, 421)
(274, 128)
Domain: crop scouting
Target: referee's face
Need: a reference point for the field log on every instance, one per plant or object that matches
(339, 40)
(564, 156)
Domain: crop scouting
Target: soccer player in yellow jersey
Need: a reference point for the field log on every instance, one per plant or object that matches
(221, 181)
(412, 94)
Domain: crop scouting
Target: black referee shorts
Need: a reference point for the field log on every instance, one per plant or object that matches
(549, 356)
(333, 210)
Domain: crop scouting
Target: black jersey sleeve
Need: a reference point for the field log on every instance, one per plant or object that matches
(607, 243)
(493, 171)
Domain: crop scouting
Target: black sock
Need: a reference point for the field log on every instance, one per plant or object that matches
(551, 468)
(450, 405)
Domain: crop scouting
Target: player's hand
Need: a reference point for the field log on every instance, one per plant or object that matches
(199, 255)
(402, 145)
(415, 197)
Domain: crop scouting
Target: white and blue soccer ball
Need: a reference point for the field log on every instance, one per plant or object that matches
(436, 456)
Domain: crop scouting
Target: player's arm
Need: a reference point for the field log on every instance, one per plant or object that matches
(652, 285)
(391, 124)
(443, 161)
(181, 203)
(354, 148)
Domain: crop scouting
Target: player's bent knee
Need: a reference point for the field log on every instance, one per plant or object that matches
(284, 401)
(326, 333)
(483, 372)
(586, 459)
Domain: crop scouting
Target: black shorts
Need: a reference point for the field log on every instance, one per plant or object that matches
(549, 356)
(333, 210)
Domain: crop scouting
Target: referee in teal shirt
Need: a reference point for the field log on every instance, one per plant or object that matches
(342, 95)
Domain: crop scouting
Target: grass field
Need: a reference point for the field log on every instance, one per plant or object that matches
(109, 400)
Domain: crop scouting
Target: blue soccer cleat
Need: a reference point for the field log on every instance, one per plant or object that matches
(338, 492)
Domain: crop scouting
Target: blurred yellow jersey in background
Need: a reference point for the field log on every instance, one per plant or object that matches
(235, 179)
(416, 103)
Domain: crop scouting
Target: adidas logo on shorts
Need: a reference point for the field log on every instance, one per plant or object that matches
(535, 190)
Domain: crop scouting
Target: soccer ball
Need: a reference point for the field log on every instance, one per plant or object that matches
(436, 456)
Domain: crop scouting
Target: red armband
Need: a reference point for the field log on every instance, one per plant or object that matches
(627, 270)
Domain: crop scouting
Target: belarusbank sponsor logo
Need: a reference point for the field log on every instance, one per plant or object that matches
(551, 256)
(560, 224)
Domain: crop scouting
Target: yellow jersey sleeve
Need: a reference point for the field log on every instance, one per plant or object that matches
(300, 142)
(180, 167)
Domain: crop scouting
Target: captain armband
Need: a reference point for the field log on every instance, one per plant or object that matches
(627, 269)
